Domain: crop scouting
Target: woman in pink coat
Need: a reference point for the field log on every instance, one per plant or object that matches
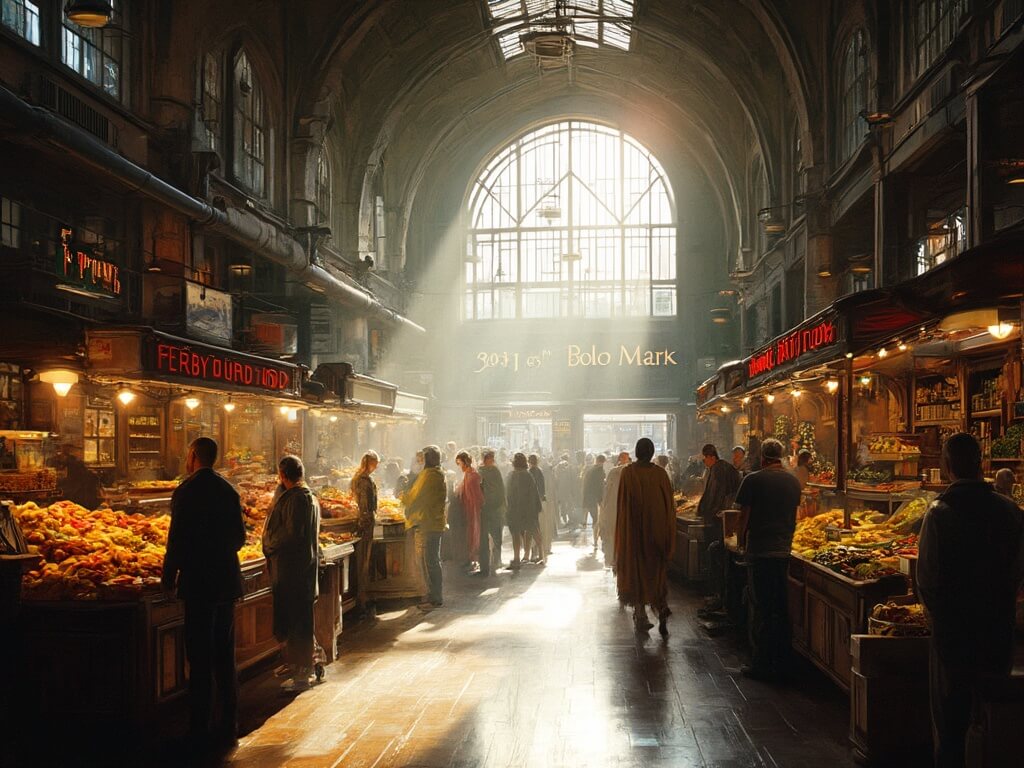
(471, 495)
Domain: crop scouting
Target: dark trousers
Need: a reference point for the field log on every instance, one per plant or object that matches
(490, 528)
(210, 648)
(432, 564)
(717, 561)
(769, 614)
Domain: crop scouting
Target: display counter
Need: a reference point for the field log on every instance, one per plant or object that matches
(397, 564)
(688, 560)
(826, 608)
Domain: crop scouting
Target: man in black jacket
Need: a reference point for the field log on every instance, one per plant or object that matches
(202, 561)
(969, 570)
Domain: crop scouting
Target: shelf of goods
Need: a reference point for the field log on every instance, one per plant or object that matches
(834, 585)
(100, 640)
(686, 562)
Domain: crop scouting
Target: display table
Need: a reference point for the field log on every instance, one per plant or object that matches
(334, 594)
(826, 608)
(396, 565)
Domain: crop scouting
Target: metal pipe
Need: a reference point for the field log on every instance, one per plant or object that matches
(243, 227)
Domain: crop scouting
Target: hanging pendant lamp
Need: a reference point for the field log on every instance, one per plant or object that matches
(89, 13)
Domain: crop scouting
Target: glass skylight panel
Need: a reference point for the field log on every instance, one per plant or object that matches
(591, 22)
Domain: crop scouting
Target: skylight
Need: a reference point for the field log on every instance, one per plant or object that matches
(592, 23)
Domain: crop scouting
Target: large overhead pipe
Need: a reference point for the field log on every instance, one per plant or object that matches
(246, 228)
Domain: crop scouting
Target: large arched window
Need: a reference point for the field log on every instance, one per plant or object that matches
(571, 220)
(250, 152)
(853, 96)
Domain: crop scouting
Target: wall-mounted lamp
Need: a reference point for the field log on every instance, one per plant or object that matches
(1000, 330)
(334, 419)
(191, 403)
(832, 385)
(125, 396)
(797, 392)
(229, 406)
(61, 379)
(883, 352)
(865, 380)
(746, 400)
(725, 409)
(769, 398)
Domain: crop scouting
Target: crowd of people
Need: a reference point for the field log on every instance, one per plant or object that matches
(461, 501)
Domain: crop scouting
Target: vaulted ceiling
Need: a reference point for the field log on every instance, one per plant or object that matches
(419, 88)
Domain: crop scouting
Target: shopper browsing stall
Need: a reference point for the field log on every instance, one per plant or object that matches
(291, 546)
(364, 489)
(425, 510)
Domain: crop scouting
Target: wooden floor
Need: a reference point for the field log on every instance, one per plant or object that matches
(541, 668)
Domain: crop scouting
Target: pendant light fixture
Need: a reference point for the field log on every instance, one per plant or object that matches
(229, 406)
(191, 403)
(61, 378)
(89, 13)
(125, 396)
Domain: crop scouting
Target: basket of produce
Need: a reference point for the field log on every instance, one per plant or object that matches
(893, 620)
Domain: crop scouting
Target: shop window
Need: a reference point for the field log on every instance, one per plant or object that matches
(10, 223)
(99, 55)
(212, 98)
(946, 239)
(22, 17)
(99, 432)
(10, 396)
(853, 96)
(250, 157)
(935, 24)
(323, 186)
(571, 220)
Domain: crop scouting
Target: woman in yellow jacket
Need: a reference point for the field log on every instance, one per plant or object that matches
(425, 509)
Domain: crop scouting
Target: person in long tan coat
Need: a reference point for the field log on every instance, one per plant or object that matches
(644, 538)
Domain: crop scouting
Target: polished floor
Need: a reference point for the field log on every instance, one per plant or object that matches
(541, 668)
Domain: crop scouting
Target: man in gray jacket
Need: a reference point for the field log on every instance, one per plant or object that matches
(291, 544)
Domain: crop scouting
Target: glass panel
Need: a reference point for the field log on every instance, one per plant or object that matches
(595, 22)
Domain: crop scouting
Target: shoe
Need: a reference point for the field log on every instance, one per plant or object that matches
(296, 685)
(515, 565)
(285, 670)
(757, 673)
(641, 623)
(541, 563)
(663, 621)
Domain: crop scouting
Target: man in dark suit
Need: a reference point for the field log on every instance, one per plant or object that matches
(202, 561)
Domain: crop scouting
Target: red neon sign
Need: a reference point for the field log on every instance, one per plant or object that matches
(791, 347)
(186, 361)
(87, 270)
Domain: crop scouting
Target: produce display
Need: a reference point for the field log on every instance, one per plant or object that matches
(335, 537)
(865, 563)
(893, 620)
(685, 507)
(891, 445)
(389, 510)
(153, 485)
(871, 475)
(33, 480)
(336, 504)
(83, 549)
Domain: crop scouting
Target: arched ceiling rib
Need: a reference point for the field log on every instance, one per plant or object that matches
(723, 70)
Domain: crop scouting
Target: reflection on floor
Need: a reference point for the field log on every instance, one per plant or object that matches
(541, 668)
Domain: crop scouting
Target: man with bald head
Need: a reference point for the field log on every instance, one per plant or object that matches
(645, 535)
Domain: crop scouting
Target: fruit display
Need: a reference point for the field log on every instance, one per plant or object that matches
(82, 549)
(336, 504)
(327, 538)
(855, 563)
(810, 532)
(389, 510)
(33, 480)
(344, 472)
(685, 507)
(893, 620)
(153, 485)
(870, 475)
(891, 445)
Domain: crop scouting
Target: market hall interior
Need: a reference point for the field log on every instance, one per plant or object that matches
(321, 228)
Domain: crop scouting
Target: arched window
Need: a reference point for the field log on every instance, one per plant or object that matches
(571, 220)
(212, 98)
(853, 96)
(323, 186)
(250, 153)
(935, 24)
(100, 55)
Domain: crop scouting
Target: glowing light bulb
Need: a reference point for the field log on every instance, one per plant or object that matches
(125, 396)
(229, 406)
(191, 403)
(796, 393)
(769, 398)
(902, 346)
(726, 409)
(1000, 330)
(284, 410)
(883, 352)
(865, 380)
(746, 400)
(334, 419)
(293, 414)
(61, 379)
(832, 385)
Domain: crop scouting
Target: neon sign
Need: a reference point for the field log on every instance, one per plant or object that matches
(194, 361)
(791, 347)
(84, 270)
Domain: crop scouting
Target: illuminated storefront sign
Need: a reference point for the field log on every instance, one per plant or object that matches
(198, 362)
(85, 272)
(822, 335)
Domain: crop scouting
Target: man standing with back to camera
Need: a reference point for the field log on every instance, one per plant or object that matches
(202, 561)
(968, 574)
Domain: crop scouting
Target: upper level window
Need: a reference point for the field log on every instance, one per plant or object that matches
(935, 24)
(250, 154)
(571, 220)
(99, 55)
(591, 23)
(946, 239)
(10, 223)
(212, 98)
(323, 186)
(22, 16)
(853, 96)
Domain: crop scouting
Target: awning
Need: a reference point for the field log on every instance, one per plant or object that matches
(407, 404)
(356, 391)
(142, 353)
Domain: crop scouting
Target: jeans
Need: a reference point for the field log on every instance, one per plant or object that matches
(490, 528)
(432, 564)
(210, 649)
(769, 614)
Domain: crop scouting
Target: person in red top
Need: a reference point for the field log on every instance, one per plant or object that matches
(471, 495)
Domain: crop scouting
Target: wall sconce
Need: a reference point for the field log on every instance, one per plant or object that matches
(769, 398)
(191, 403)
(865, 380)
(832, 385)
(797, 392)
(883, 352)
(746, 400)
(334, 419)
(229, 406)
(125, 395)
(284, 409)
(725, 409)
(61, 379)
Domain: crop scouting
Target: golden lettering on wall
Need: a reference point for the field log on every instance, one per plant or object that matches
(577, 356)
